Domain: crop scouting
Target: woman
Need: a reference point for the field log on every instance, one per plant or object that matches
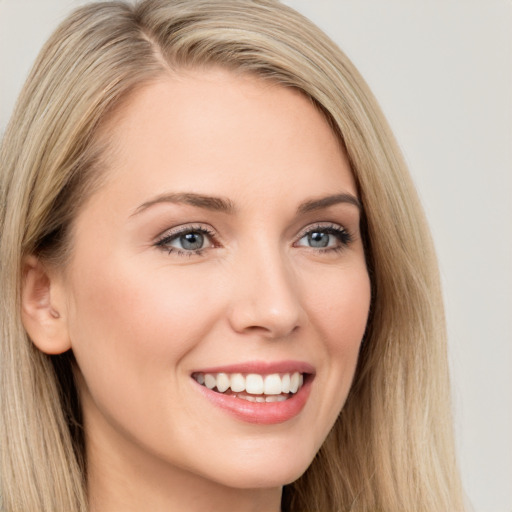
(162, 279)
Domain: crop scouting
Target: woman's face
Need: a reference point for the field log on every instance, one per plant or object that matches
(223, 250)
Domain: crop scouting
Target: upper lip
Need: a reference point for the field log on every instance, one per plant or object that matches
(261, 367)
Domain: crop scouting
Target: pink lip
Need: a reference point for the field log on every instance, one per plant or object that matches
(262, 367)
(267, 413)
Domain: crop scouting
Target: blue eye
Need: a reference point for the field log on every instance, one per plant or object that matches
(325, 238)
(319, 239)
(189, 241)
(186, 241)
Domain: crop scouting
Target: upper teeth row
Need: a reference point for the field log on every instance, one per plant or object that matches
(253, 383)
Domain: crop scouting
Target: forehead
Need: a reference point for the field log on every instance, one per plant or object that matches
(206, 129)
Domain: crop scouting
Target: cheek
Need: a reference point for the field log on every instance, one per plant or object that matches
(340, 313)
(340, 309)
(116, 302)
(127, 326)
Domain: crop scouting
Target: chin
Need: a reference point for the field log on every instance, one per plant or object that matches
(248, 473)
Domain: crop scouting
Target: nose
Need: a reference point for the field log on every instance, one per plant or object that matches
(265, 299)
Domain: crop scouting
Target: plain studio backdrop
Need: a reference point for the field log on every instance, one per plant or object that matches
(442, 72)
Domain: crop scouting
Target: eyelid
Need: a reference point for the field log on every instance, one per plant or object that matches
(343, 235)
(163, 240)
(320, 226)
(185, 228)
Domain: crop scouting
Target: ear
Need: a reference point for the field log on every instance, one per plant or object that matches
(43, 311)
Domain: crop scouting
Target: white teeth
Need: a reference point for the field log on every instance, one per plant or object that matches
(249, 398)
(223, 382)
(294, 383)
(254, 384)
(275, 398)
(210, 381)
(272, 398)
(285, 383)
(237, 382)
(273, 385)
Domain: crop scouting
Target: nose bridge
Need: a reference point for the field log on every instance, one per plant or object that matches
(265, 298)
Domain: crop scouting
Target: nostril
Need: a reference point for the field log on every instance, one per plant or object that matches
(271, 330)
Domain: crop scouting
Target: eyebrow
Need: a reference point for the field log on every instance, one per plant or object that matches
(225, 205)
(218, 204)
(325, 202)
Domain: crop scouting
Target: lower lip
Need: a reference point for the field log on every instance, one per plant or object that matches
(267, 413)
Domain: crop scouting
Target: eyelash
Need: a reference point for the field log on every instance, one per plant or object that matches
(169, 237)
(343, 236)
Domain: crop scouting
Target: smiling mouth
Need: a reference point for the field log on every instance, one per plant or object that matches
(253, 387)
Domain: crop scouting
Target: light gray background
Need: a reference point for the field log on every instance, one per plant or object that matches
(442, 71)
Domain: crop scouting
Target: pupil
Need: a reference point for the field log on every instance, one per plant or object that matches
(192, 241)
(318, 239)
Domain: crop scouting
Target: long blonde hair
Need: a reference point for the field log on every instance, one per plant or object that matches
(391, 448)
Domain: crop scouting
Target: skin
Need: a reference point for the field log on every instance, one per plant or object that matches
(140, 319)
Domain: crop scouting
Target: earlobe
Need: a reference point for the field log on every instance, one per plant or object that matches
(43, 311)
